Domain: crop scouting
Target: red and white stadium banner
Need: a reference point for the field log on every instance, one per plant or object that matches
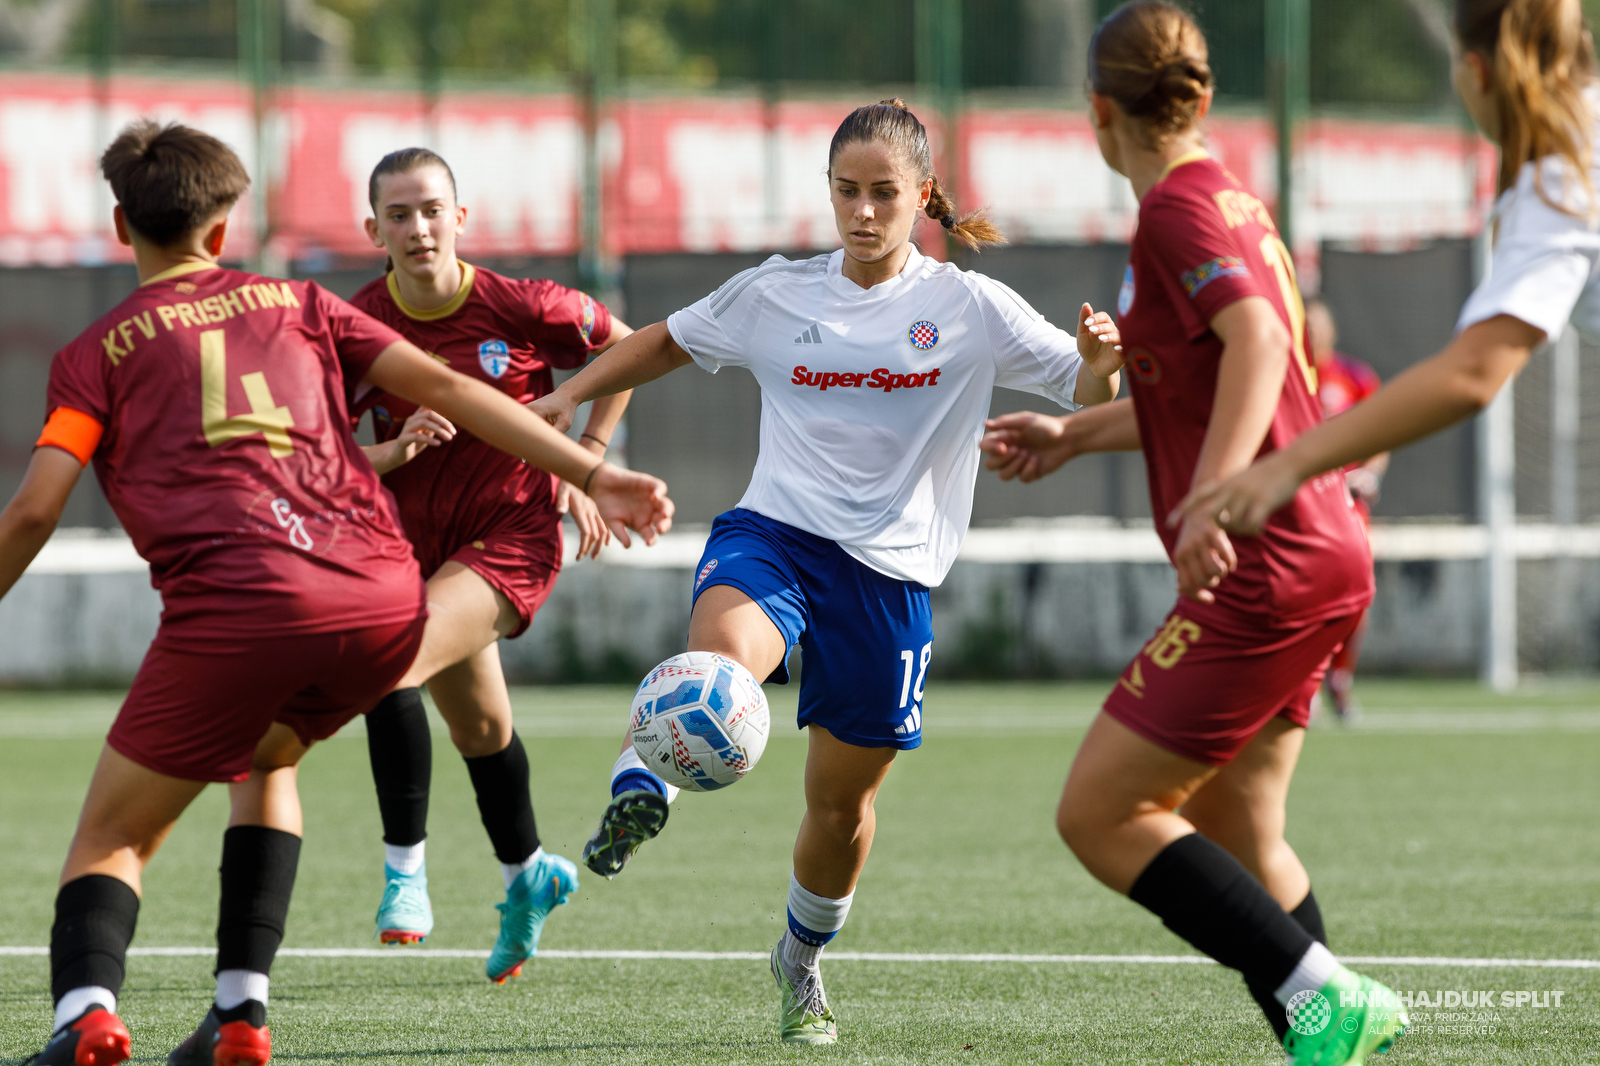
(681, 174)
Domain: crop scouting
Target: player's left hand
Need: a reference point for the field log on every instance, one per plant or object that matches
(1243, 502)
(1203, 557)
(628, 500)
(1099, 342)
(592, 529)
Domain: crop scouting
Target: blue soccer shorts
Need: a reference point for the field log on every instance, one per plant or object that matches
(867, 638)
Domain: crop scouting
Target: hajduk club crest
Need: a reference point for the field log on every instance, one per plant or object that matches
(923, 335)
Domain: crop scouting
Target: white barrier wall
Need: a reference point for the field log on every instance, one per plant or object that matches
(1043, 599)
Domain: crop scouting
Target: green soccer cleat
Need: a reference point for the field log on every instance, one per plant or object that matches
(405, 916)
(1351, 1017)
(630, 819)
(536, 892)
(804, 1017)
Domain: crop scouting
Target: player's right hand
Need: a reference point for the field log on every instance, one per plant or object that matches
(1203, 556)
(555, 409)
(424, 429)
(1025, 445)
(630, 500)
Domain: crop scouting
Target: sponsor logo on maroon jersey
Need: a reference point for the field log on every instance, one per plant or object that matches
(881, 378)
(1144, 366)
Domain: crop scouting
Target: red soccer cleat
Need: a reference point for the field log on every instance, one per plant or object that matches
(96, 1038)
(242, 1044)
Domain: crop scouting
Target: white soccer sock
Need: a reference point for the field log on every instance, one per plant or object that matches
(405, 859)
(1315, 969)
(629, 760)
(510, 870)
(236, 986)
(819, 916)
(79, 1000)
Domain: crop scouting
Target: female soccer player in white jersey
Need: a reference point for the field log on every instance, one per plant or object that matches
(1525, 71)
(876, 366)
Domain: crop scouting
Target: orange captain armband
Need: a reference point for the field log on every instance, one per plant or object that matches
(73, 432)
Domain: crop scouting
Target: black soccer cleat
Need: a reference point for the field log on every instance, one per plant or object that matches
(94, 1038)
(630, 819)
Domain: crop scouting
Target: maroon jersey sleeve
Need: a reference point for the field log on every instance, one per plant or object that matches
(1209, 268)
(565, 325)
(78, 381)
(357, 337)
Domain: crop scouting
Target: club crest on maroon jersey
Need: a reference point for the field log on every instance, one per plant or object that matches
(1125, 296)
(494, 357)
(923, 335)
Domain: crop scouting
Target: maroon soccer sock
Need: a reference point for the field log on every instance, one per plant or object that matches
(401, 750)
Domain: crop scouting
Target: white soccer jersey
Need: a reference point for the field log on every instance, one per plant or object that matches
(1546, 265)
(873, 400)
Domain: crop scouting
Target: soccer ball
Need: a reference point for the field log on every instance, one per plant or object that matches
(700, 721)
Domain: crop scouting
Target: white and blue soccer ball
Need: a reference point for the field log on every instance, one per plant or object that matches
(700, 721)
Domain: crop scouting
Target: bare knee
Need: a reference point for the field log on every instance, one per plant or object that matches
(485, 735)
(842, 821)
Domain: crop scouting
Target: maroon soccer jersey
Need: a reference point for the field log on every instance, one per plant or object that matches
(508, 332)
(1203, 243)
(228, 458)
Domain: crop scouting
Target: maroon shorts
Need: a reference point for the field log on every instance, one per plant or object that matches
(1211, 678)
(522, 563)
(197, 710)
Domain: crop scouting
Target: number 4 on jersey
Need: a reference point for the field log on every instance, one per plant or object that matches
(265, 417)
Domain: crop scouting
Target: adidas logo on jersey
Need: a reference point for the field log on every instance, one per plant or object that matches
(810, 336)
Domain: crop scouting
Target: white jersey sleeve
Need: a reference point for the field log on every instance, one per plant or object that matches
(717, 331)
(1546, 265)
(1030, 354)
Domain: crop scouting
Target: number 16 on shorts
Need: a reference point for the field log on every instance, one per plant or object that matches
(913, 663)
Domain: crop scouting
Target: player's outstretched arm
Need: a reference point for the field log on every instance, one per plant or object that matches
(1433, 395)
(33, 512)
(640, 357)
(1250, 376)
(627, 499)
(1027, 445)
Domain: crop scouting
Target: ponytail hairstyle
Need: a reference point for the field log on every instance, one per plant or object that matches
(1542, 58)
(404, 161)
(1151, 58)
(891, 123)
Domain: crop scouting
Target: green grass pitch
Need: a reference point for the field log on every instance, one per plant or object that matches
(1451, 823)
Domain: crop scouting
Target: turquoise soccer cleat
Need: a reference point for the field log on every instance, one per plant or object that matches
(1340, 1025)
(536, 892)
(804, 1017)
(405, 916)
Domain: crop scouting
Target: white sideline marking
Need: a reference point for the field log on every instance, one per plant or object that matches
(851, 956)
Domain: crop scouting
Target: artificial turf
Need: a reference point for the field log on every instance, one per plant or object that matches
(1453, 822)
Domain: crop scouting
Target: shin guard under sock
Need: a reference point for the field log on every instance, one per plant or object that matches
(258, 868)
(1309, 915)
(95, 918)
(1205, 896)
(401, 750)
(501, 783)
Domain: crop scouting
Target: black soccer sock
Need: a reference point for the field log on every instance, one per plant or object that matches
(402, 764)
(258, 868)
(501, 782)
(1205, 896)
(95, 919)
(1309, 915)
